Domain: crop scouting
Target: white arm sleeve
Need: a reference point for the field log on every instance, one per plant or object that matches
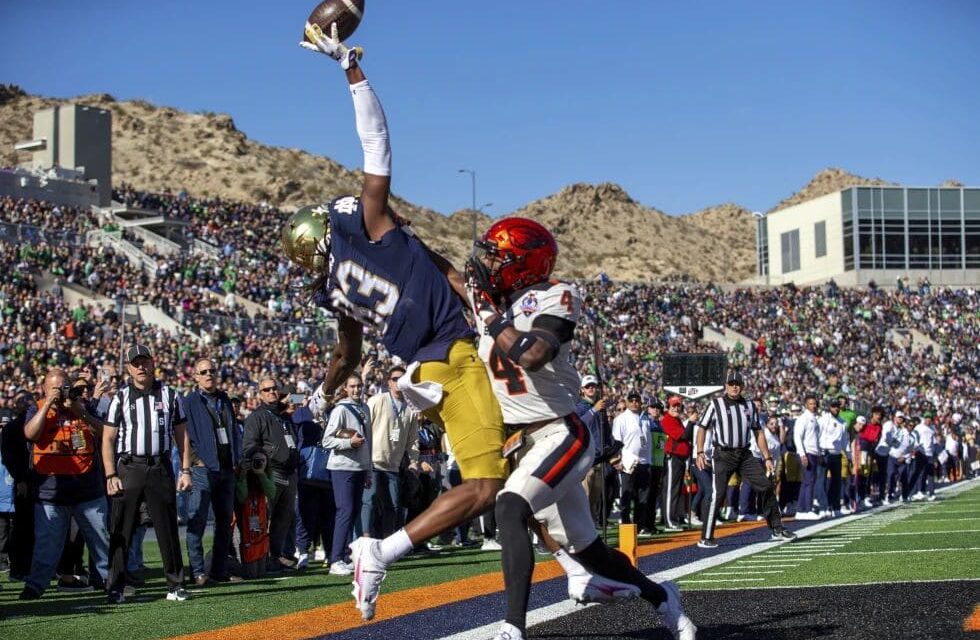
(372, 129)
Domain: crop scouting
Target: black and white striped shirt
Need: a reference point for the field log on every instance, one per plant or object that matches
(733, 421)
(145, 419)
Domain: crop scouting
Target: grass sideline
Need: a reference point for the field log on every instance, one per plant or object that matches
(148, 615)
(916, 542)
(59, 616)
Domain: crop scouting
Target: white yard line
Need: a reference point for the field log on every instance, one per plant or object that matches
(851, 584)
(872, 553)
(930, 511)
(926, 533)
(685, 581)
(739, 573)
(921, 519)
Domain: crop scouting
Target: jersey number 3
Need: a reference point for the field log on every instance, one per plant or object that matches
(504, 369)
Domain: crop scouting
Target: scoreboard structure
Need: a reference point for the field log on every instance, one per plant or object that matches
(694, 375)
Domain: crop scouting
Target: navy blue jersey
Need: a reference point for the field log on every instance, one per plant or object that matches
(391, 285)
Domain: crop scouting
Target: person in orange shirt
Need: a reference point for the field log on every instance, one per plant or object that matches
(65, 438)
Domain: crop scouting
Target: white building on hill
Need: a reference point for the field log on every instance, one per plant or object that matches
(862, 234)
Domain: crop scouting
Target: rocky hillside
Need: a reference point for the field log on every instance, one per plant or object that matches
(600, 228)
(828, 181)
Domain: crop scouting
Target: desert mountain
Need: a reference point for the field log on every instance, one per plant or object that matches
(599, 228)
(827, 181)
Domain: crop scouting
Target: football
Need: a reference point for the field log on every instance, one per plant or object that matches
(346, 13)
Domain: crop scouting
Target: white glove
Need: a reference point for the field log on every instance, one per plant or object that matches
(319, 403)
(331, 45)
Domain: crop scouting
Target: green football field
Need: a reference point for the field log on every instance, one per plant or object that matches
(148, 615)
(920, 541)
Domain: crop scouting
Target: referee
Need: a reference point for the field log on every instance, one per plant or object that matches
(146, 421)
(734, 423)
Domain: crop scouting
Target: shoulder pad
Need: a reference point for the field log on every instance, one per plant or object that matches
(560, 299)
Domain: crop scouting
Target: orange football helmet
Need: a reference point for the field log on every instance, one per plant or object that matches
(523, 253)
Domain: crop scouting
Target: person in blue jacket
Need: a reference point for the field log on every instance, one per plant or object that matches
(216, 452)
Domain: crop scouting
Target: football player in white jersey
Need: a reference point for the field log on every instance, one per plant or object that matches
(526, 324)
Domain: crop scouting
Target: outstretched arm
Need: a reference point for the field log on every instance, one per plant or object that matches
(372, 129)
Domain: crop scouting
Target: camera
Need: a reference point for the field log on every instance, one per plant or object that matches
(69, 392)
(259, 461)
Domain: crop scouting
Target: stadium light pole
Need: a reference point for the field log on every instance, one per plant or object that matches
(472, 196)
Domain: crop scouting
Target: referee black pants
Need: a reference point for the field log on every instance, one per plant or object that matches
(155, 485)
(727, 462)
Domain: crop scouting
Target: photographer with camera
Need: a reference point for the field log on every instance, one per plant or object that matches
(68, 484)
(253, 489)
(270, 428)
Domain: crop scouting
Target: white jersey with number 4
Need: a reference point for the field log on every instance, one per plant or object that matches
(551, 391)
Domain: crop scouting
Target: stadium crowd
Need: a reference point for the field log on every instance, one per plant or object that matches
(828, 342)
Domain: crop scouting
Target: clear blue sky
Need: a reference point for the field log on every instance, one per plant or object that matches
(684, 104)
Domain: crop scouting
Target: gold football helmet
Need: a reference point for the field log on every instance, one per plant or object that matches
(306, 236)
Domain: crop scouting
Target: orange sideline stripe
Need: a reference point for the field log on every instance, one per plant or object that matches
(343, 616)
(973, 622)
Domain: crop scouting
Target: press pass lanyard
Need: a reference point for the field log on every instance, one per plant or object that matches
(396, 432)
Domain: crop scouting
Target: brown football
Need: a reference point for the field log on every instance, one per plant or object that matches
(346, 13)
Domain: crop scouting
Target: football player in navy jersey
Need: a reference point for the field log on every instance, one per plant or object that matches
(372, 271)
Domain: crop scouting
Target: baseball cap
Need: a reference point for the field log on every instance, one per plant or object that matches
(899, 414)
(633, 395)
(138, 351)
(735, 377)
(675, 401)
(590, 379)
(862, 420)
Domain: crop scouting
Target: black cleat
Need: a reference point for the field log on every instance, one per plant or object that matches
(781, 535)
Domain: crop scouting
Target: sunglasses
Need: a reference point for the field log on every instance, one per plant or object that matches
(206, 372)
(267, 389)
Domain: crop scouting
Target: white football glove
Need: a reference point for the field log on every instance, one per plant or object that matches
(319, 403)
(331, 45)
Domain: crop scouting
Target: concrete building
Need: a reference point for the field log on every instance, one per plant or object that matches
(71, 158)
(862, 234)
